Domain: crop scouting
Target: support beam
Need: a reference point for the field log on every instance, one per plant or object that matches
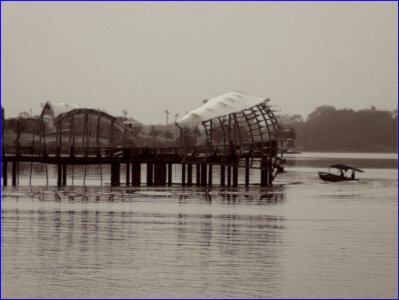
(210, 175)
(183, 174)
(163, 173)
(170, 170)
(5, 171)
(59, 174)
(115, 174)
(198, 175)
(189, 174)
(64, 174)
(128, 174)
(203, 175)
(136, 174)
(14, 173)
(156, 174)
(235, 176)
(270, 168)
(247, 171)
(222, 175)
(150, 168)
(263, 172)
(228, 176)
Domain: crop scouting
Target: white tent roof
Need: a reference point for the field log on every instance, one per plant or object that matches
(226, 104)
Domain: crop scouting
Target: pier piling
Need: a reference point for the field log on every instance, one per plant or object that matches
(150, 167)
(115, 174)
(170, 168)
(183, 174)
(189, 174)
(5, 175)
(14, 173)
(222, 175)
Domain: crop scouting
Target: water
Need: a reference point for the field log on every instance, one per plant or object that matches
(300, 238)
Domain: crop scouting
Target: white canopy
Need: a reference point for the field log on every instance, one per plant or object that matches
(226, 104)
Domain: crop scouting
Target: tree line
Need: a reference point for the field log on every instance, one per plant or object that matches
(331, 129)
(325, 129)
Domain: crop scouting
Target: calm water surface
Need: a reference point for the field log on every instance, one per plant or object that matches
(300, 238)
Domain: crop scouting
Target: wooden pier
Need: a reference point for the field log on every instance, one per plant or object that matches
(238, 131)
(159, 164)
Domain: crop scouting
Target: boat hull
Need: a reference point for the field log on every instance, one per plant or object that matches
(333, 178)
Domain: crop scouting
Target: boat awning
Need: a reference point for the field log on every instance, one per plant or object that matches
(345, 167)
(223, 105)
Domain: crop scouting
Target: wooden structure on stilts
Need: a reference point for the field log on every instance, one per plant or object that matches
(240, 131)
(227, 133)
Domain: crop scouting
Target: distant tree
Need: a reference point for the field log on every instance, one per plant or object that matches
(167, 135)
(136, 130)
(154, 132)
(124, 113)
(319, 111)
(329, 129)
(24, 115)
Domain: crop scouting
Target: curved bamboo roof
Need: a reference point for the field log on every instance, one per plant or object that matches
(223, 105)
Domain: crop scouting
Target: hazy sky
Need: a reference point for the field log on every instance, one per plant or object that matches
(148, 57)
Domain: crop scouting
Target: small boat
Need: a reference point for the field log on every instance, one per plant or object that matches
(342, 169)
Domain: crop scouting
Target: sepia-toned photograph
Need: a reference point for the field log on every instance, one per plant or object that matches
(199, 150)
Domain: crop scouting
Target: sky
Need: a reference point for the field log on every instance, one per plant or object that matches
(146, 58)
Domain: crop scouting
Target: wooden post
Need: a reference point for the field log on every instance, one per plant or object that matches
(154, 174)
(133, 175)
(203, 175)
(157, 174)
(170, 166)
(59, 174)
(14, 173)
(111, 138)
(136, 174)
(160, 174)
(228, 176)
(150, 166)
(235, 176)
(183, 174)
(164, 174)
(263, 172)
(18, 137)
(222, 175)
(198, 175)
(247, 171)
(189, 174)
(115, 174)
(5, 173)
(58, 137)
(127, 174)
(64, 174)
(210, 175)
(270, 168)
(160, 171)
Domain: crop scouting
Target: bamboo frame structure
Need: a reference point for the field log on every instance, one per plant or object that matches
(81, 130)
(250, 138)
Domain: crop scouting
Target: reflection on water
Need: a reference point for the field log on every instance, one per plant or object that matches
(139, 251)
(300, 238)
